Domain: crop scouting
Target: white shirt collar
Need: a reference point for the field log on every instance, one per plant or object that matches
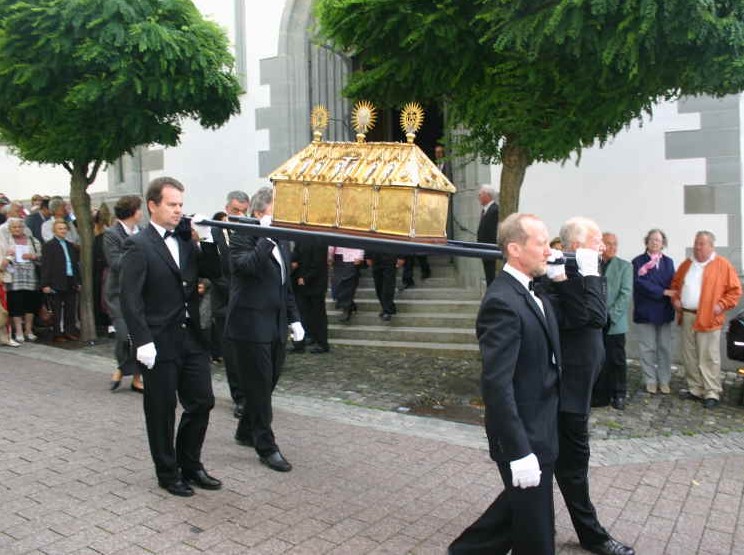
(128, 231)
(487, 206)
(521, 277)
(160, 229)
(705, 263)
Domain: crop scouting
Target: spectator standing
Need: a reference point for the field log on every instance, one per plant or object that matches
(488, 226)
(704, 287)
(611, 386)
(653, 312)
(60, 278)
(36, 219)
(22, 283)
(128, 212)
(59, 209)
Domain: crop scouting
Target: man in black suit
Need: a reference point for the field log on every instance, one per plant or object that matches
(128, 211)
(160, 304)
(36, 219)
(384, 267)
(518, 335)
(238, 204)
(260, 311)
(488, 226)
(310, 284)
(60, 278)
(579, 295)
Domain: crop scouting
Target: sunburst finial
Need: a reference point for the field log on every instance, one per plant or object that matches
(411, 119)
(364, 117)
(319, 121)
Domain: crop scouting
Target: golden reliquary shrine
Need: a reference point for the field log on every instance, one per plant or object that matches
(388, 190)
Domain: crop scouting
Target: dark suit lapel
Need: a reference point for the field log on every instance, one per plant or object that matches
(552, 326)
(519, 288)
(159, 244)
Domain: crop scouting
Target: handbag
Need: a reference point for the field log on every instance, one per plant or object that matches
(45, 313)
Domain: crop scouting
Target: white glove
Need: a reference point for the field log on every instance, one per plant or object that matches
(298, 333)
(588, 262)
(554, 271)
(265, 220)
(146, 354)
(525, 472)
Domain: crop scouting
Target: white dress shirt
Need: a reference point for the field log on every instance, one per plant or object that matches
(525, 280)
(693, 285)
(171, 242)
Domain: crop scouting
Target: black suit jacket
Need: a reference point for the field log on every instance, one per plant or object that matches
(312, 260)
(114, 239)
(54, 265)
(489, 224)
(156, 294)
(521, 370)
(220, 291)
(34, 222)
(260, 306)
(581, 307)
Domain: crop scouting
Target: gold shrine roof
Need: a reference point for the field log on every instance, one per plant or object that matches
(385, 164)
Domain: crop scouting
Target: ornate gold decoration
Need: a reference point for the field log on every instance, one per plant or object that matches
(319, 121)
(411, 119)
(364, 117)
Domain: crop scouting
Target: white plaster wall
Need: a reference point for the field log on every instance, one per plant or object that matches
(212, 163)
(628, 187)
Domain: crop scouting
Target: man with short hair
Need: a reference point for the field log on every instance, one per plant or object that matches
(238, 203)
(59, 211)
(611, 386)
(36, 219)
(578, 293)
(160, 303)
(518, 335)
(704, 287)
(488, 226)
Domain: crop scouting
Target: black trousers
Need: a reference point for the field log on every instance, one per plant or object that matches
(612, 380)
(572, 475)
(520, 520)
(383, 273)
(423, 262)
(125, 359)
(345, 283)
(260, 366)
(189, 377)
(314, 317)
(65, 305)
(489, 269)
(229, 357)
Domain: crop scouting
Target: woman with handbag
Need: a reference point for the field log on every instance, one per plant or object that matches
(22, 284)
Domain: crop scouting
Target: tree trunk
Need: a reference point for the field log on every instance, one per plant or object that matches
(514, 159)
(81, 206)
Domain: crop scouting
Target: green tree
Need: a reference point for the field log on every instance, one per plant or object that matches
(83, 82)
(537, 81)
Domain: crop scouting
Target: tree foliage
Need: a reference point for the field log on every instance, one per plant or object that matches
(538, 79)
(83, 82)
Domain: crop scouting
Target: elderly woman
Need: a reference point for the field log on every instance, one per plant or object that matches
(21, 280)
(653, 311)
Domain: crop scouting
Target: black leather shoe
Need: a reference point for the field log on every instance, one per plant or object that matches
(711, 403)
(610, 547)
(688, 396)
(238, 410)
(179, 488)
(319, 350)
(115, 383)
(201, 479)
(140, 390)
(618, 403)
(276, 461)
(244, 441)
(386, 317)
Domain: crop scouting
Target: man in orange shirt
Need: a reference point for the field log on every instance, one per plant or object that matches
(705, 286)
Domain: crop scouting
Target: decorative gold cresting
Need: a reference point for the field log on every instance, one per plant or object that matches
(319, 121)
(364, 117)
(411, 120)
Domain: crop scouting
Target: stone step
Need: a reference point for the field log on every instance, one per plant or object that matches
(384, 332)
(446, 349)
(423, 293)
(416, 305)
(451, 281)
(412, 319)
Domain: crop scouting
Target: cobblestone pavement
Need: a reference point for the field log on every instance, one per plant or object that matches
(449, 388)
(76, 477)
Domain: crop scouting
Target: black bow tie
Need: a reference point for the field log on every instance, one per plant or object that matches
(531, 285)
(169, 233)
